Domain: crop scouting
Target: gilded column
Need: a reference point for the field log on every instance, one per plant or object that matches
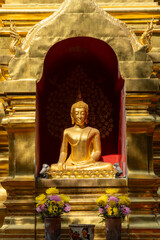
(3, 159)
(19, 122)
(143, 184)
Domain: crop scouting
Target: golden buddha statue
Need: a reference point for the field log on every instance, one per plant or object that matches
(84, 141)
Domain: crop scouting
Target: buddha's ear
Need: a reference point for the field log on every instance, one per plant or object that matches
(86, 120)
(72, 118)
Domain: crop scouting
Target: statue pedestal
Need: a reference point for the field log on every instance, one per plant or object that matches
(82, 174)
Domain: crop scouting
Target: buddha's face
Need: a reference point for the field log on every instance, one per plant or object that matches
(79, 115)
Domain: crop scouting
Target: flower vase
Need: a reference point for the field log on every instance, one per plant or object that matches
(52, 228)
(113, 228)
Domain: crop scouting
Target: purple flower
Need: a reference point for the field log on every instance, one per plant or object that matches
(101, 210)
(113, 199)
(55, 198)
(43, 207)
(38, 209)
(106, 206)
(67, 208)
(125, 210)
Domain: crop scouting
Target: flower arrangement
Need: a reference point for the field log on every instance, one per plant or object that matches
(51, 204)
(112, 206)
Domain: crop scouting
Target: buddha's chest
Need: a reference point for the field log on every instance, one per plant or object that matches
(79, 138)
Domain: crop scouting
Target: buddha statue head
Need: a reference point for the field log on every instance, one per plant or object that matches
(79, 113)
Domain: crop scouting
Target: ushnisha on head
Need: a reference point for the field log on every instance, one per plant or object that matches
(79, 112)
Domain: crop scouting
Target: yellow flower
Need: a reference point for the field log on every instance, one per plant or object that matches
(41, 202)
(102, 200)
(61, 204)
(54, 202)
(124, 200)
(112, 203)
(50, 209)
(55, 209)
(115, 211)
(52, 191)
(41, 197)
(112, 191)
(65, 198)
(109, 210)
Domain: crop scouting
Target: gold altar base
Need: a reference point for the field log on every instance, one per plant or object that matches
(143, 222)
(72, 174)
(83, 194)
(21, 222)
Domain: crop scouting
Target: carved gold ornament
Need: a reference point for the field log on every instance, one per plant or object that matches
(15, 38)
(145, 39)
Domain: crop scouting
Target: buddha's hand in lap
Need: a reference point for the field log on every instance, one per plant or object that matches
(90, 161)
(85, 163)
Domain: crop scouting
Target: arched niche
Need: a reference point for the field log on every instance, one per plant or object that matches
(92, 65)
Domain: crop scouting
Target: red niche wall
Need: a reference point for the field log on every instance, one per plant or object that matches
(90, 65)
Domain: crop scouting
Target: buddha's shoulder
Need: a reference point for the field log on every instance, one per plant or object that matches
(67, 130)
(95, 130)
(71, 129)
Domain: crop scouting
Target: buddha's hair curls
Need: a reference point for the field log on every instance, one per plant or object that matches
(80, 104)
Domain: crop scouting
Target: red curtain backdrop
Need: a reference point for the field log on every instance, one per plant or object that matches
(66, 64)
